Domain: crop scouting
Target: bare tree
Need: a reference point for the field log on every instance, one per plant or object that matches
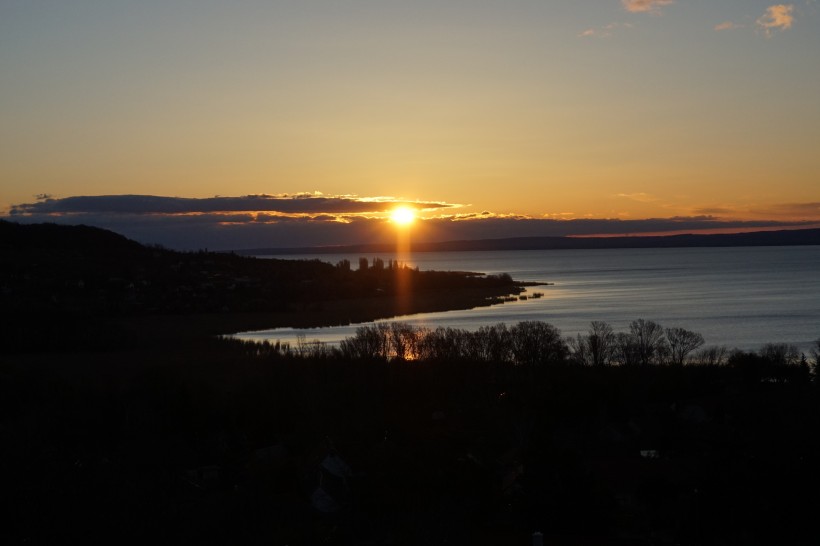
(712, 356)
(597, 348)
(681, 343)
(536, 342)
(579, 349)
(626, 349)
(404, 338)
(780, 353)
(494, 343)
(446, 344)
(649, 340)
(600, 343)
(369, 342)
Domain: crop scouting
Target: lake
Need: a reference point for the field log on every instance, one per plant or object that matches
(737, 296)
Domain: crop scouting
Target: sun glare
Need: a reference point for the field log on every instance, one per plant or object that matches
(403, 216)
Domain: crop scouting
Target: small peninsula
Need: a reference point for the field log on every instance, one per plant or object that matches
(84, 287)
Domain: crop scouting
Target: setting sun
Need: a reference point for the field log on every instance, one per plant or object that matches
(403, 216)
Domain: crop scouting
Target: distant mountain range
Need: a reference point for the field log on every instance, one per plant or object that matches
(758, 238)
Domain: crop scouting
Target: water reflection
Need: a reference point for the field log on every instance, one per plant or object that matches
(739, 297)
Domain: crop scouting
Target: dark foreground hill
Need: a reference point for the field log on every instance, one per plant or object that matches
(233, 443)
(217, 441)
(71, 284)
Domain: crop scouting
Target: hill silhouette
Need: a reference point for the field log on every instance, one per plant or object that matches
(60, 238)
(758, 238)
(60, 284)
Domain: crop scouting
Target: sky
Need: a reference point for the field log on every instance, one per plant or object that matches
(205, 124)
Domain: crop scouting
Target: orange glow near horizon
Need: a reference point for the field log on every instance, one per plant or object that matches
(366, 112)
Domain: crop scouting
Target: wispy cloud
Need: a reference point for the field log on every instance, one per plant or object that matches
(777, 17)
(560, 215)
(603, 32)
(798, 212)
(727, 25)
(645, 6)
(641, 197)
(715, 210)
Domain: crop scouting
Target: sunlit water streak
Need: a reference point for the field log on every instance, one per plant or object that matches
(738, 297)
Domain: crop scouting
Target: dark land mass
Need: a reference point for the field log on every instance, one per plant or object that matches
(223, 442)
(72, 286)
(172, 435)
(761, 238)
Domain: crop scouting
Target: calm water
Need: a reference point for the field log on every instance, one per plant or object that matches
(738, 297)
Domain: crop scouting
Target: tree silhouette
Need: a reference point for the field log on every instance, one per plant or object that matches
(815, 356)
(649, 340)
(681, 343)
(536, 342)
(780, 353)
(712, 356)
(601, 342)
(494, 343)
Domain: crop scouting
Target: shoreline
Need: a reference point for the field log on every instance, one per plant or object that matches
(86, 333)
(178, 328)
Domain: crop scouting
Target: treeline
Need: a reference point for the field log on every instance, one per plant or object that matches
(225, 441)
(531, 343)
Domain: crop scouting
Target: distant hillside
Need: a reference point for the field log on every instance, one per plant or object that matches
(759, 238)
(59, 283)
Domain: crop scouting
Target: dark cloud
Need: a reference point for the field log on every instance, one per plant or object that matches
(715, 210)
(798, 210)
(151, 204)
(254, 221)
(791, 211)
(234, 231)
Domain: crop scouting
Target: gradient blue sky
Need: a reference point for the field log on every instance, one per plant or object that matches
(603, 109)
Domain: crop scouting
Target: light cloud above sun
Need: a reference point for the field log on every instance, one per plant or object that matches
(727, 25)
(640, 197)
(604, 31)
(645, 6)
(777, 17)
